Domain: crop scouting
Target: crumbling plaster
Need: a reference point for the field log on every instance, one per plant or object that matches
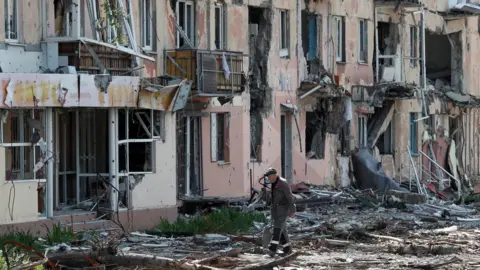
(159, 189)
(23, 55)
(227, 179)
(352, 72)
(312, 171)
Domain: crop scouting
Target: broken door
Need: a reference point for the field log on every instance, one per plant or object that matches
(286, 145)
(189, 158)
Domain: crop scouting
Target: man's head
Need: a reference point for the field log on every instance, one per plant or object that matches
(271, 173)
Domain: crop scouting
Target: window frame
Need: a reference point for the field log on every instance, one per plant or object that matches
(284, 33)
(413, 138)
(24, 146)
(363, 41)
(8, 30)
(362, 124)
(221, 30)
(413, 45)
(150, 129)
(146, 9)
(340, 31)
(192, 24)
(214, 137)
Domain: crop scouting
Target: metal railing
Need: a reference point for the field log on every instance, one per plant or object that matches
(211, 72)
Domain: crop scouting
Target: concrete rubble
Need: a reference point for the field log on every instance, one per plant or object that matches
(333, 229)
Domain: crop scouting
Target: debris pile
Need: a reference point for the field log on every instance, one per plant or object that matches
(333, 228)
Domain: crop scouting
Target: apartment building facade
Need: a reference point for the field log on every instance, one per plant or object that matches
(86, 119)
(132, 107)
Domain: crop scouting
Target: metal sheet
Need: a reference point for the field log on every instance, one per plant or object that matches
(181, 96)
(122, 91)
(159, 100)
(27, 90)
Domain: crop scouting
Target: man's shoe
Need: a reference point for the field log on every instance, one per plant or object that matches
(272, 251)
(287, 251)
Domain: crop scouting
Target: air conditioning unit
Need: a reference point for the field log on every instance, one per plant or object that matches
(67, 70)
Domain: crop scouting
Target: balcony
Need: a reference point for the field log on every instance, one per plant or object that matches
(213, 73)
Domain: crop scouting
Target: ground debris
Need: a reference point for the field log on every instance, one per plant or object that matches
(333, 229)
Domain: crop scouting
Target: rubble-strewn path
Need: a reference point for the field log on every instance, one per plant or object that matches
(346, 229)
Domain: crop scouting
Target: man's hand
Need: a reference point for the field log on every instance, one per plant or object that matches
(292, 214)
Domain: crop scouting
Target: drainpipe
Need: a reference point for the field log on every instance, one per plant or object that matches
(112, 156)
(50, 162)
(424, 67)
(329, 36)
(299, 38)
(44, 19)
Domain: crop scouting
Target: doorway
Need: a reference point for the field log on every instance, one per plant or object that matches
(189, 155)
(286, 145)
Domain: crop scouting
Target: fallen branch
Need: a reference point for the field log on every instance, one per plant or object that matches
(31, 265)
(206, 260)
(257, 266)
(334, 243)
(396, 239)
(190, 266)
(454, 259)
(122, 260)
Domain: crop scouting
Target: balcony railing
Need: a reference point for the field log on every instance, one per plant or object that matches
(208, 70)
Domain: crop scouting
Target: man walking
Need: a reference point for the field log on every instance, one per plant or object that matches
(282, 207)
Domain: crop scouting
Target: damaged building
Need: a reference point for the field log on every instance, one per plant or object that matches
(86, 134)
(418, 103)
(125, 110)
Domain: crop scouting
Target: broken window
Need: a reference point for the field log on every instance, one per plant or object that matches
(385, 141)
(444, 58)
(22, 138)
(11, 19)
(256, 133)
(413, 133)
(219, 27)
(339, 33)
(147, 24)
(138, 131)
(284, 33)
(362, 131)
(219, 129)
(363, 41)
(388, 38)
(311, 34)
(184, 12)
(413, 46)
(314, 136)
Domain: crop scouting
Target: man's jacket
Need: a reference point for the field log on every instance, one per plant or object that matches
(283, 203)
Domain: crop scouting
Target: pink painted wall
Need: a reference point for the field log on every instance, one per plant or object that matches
(230, 179)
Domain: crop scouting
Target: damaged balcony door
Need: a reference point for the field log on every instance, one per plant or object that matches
(189, 158)
(286, 145)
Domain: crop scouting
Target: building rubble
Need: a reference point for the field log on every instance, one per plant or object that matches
(333, 229)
